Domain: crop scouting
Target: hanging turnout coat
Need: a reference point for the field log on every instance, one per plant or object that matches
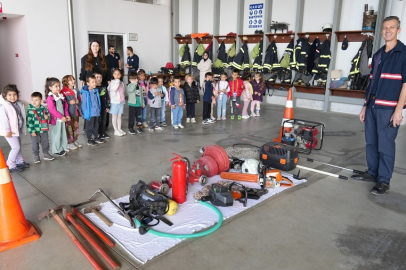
(271, 58)
(257, 65)
(221, 60)
(284, 71)
(185, 61)
(300, 55)
(322, 61)
(197, 57)
(231, 52)
(359, 73)
(241, 60)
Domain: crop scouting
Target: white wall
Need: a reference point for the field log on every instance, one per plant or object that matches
(150, 22)
(205, 17)
(48, 39)
(228, 17)
(15, 70)
(316, 14)
(185, 14)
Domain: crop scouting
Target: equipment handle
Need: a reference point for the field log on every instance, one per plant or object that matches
(92, 242)
(310, 159)
(75, 240)
(93, 227)
(343, 177)
(176, 157)
(244, 177)
(102, 217)
(205, 198)
(356, 171)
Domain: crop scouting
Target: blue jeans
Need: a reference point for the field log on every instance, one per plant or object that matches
(177, 115)
(222, 106)
(163, 109)
(380, 140)
(144, 111)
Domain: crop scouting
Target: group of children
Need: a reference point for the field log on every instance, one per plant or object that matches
(95, 102)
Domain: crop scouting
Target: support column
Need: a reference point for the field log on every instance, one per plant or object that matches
(72, 41)
(267, 23)
(195, 24)
(175, 30)
(338, 4)
(240, 22)
(298, 29)
(216, 28)
(378, 40)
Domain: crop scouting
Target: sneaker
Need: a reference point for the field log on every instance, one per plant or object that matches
(37, 159)
(224, 118)
(23, 165)
(131, 131)
(72, 146)
(151, 130)
(122, 132)
(106, 136)
(205, 122)
(213, 118)
(48, 157)
(91, 143)
(380, 188)
(62, 153)
(232, 117)
(188, 120)
(180, 126)
(258, 115)
(175, 127)
(138, 130)
(118, 133)
(78, 144)
(66, 150)
(253, 115)
(144, 124)
(210, 121)
(164, 124)
(16, 169)
(98, 140)
(218, 118)
(245, 117)
(159, 128)
(239, 117)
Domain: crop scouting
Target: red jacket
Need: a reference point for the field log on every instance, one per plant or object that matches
(236, 86)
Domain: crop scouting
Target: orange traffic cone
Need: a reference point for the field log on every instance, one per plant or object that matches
(15, 230)
(287, 115)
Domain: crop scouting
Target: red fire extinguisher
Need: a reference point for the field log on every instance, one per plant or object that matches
(180, 178)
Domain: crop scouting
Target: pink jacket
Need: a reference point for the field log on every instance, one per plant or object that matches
(9, 119)
(54, 112)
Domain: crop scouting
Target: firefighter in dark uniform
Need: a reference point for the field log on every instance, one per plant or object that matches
(382, 112)
(133, 61)
(113, 59)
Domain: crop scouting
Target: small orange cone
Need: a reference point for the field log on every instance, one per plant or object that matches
(15, 230)
(287, 115)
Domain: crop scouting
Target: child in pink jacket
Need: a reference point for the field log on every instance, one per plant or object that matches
(12, 126)
(59, 110)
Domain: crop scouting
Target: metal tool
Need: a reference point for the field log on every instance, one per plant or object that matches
(124, 214)
(95, 210)
(323, 172)
(59, 207)
(92, 242)
(335, 166)
(76, 241)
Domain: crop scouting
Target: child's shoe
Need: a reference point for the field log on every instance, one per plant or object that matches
(218, 118)
(211, 121)
(37, 159)
(159, 128)
(91, 143)
(98, 140)
(131, 131)
(139, 130)
(232, 117)
(23, 165)
(180, 126)
(106, 136)
(258, 114)
(151, 130)
(78, 144)
(224, 118)
(175, 127)
(16, 169)
(164, 124)
(188, 120)
(239, 117)
(62, 153)
(66, 150)
(72, 146)
(213, 118)
(205, 122)
(118, 133)
(144, 124)
(193, 120)
(122, 132)
(48, 157)
(253, 115)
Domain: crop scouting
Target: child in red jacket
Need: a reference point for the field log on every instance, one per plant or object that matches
(236, 88)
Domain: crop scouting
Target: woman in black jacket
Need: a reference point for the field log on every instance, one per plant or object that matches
(192, 97)
(93, 61)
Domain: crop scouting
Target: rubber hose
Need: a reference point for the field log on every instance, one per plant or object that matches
(193, 235)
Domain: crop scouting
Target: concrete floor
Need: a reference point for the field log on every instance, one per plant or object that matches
(326, 223)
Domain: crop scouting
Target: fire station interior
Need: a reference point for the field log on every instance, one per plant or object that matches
(292, 203)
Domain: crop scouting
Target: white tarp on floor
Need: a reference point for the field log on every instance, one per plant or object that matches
(191, 217)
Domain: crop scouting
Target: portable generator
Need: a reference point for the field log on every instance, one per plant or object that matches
(279, 156)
